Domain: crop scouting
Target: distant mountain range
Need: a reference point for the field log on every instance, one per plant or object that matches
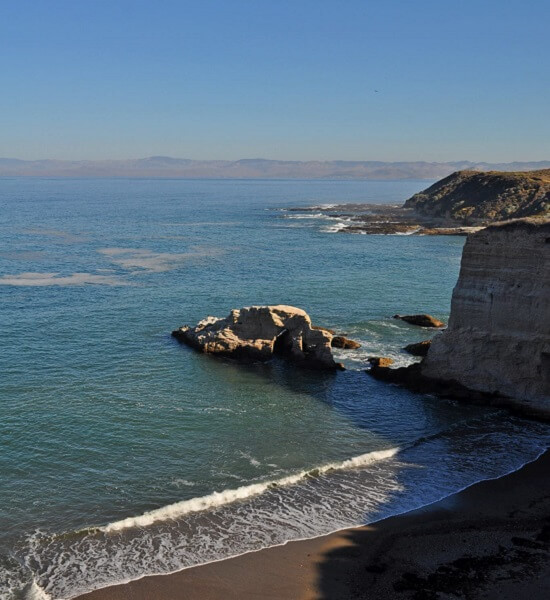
(256, 168)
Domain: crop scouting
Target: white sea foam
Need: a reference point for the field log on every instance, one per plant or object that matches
(411, 232)
(253, 461)
(183, 482)
(335, 228)
(35, 592)
(317, 504)
(178, 509)
(307, 216)
(324, 206)
(358, 359)
(15, 583)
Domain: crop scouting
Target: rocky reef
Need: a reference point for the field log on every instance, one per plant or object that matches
(383, 219)
(460, 204)
(474, 197)
(258, 333)
(496, 348)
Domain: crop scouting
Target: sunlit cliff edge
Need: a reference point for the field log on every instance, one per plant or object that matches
(496, 348)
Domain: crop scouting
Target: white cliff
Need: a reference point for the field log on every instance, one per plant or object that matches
(498, 337)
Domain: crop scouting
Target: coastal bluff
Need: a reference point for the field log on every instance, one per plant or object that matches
(481, 198)
(459, 204)
(498, 338)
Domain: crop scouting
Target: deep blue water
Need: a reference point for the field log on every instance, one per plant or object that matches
(104, 417)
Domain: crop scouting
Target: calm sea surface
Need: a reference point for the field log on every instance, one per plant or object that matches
(123, 453)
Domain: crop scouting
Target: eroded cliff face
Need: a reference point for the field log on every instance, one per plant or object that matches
(498, 337)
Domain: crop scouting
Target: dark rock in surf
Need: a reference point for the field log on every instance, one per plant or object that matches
(420, 320)
(418, 349)
(380, 361)
(339, 341)
(331, 331)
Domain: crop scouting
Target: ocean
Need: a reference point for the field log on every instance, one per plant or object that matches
(124, 453)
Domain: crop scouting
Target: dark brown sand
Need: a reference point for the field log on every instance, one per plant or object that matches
(489, 541)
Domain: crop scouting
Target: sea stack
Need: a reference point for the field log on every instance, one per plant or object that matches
(257, 333)
(498, 337)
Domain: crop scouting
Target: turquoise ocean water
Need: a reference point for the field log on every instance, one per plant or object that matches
(123, 453)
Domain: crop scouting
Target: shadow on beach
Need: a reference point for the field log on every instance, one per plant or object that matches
(491, 540)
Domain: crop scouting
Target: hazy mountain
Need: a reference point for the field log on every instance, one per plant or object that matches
(256, 168)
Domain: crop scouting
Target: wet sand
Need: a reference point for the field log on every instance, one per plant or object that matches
(489, 541)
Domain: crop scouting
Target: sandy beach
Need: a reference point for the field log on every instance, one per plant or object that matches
(491, 540)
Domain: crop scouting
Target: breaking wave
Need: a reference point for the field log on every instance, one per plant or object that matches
(179, 509)
(334, 496)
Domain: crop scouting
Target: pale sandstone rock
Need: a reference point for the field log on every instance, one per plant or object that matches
(498, 337)
(258, 332)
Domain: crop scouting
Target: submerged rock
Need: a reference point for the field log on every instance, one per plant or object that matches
(413, 379)
(420, 320)
(409, 377)
(339, 341)
(257, 333)
(419, 348)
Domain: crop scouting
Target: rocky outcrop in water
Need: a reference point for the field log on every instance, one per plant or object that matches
(420, 320)
(257, 333)
(419, 348)
(474, 197)
(340, 341)
(380, 361)
(383, 219)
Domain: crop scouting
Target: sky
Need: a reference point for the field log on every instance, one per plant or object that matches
(292, 80)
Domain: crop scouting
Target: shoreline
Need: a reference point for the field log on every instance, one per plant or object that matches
(382, 219)
(470, 541)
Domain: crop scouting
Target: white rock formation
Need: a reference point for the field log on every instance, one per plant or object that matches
(259, 332)
(498, 338)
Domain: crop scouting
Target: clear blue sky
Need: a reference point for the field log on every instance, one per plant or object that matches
(276, 79)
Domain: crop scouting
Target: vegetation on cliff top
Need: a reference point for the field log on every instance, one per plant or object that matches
(475, 197)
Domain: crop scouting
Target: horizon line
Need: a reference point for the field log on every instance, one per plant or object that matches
(259, 158)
